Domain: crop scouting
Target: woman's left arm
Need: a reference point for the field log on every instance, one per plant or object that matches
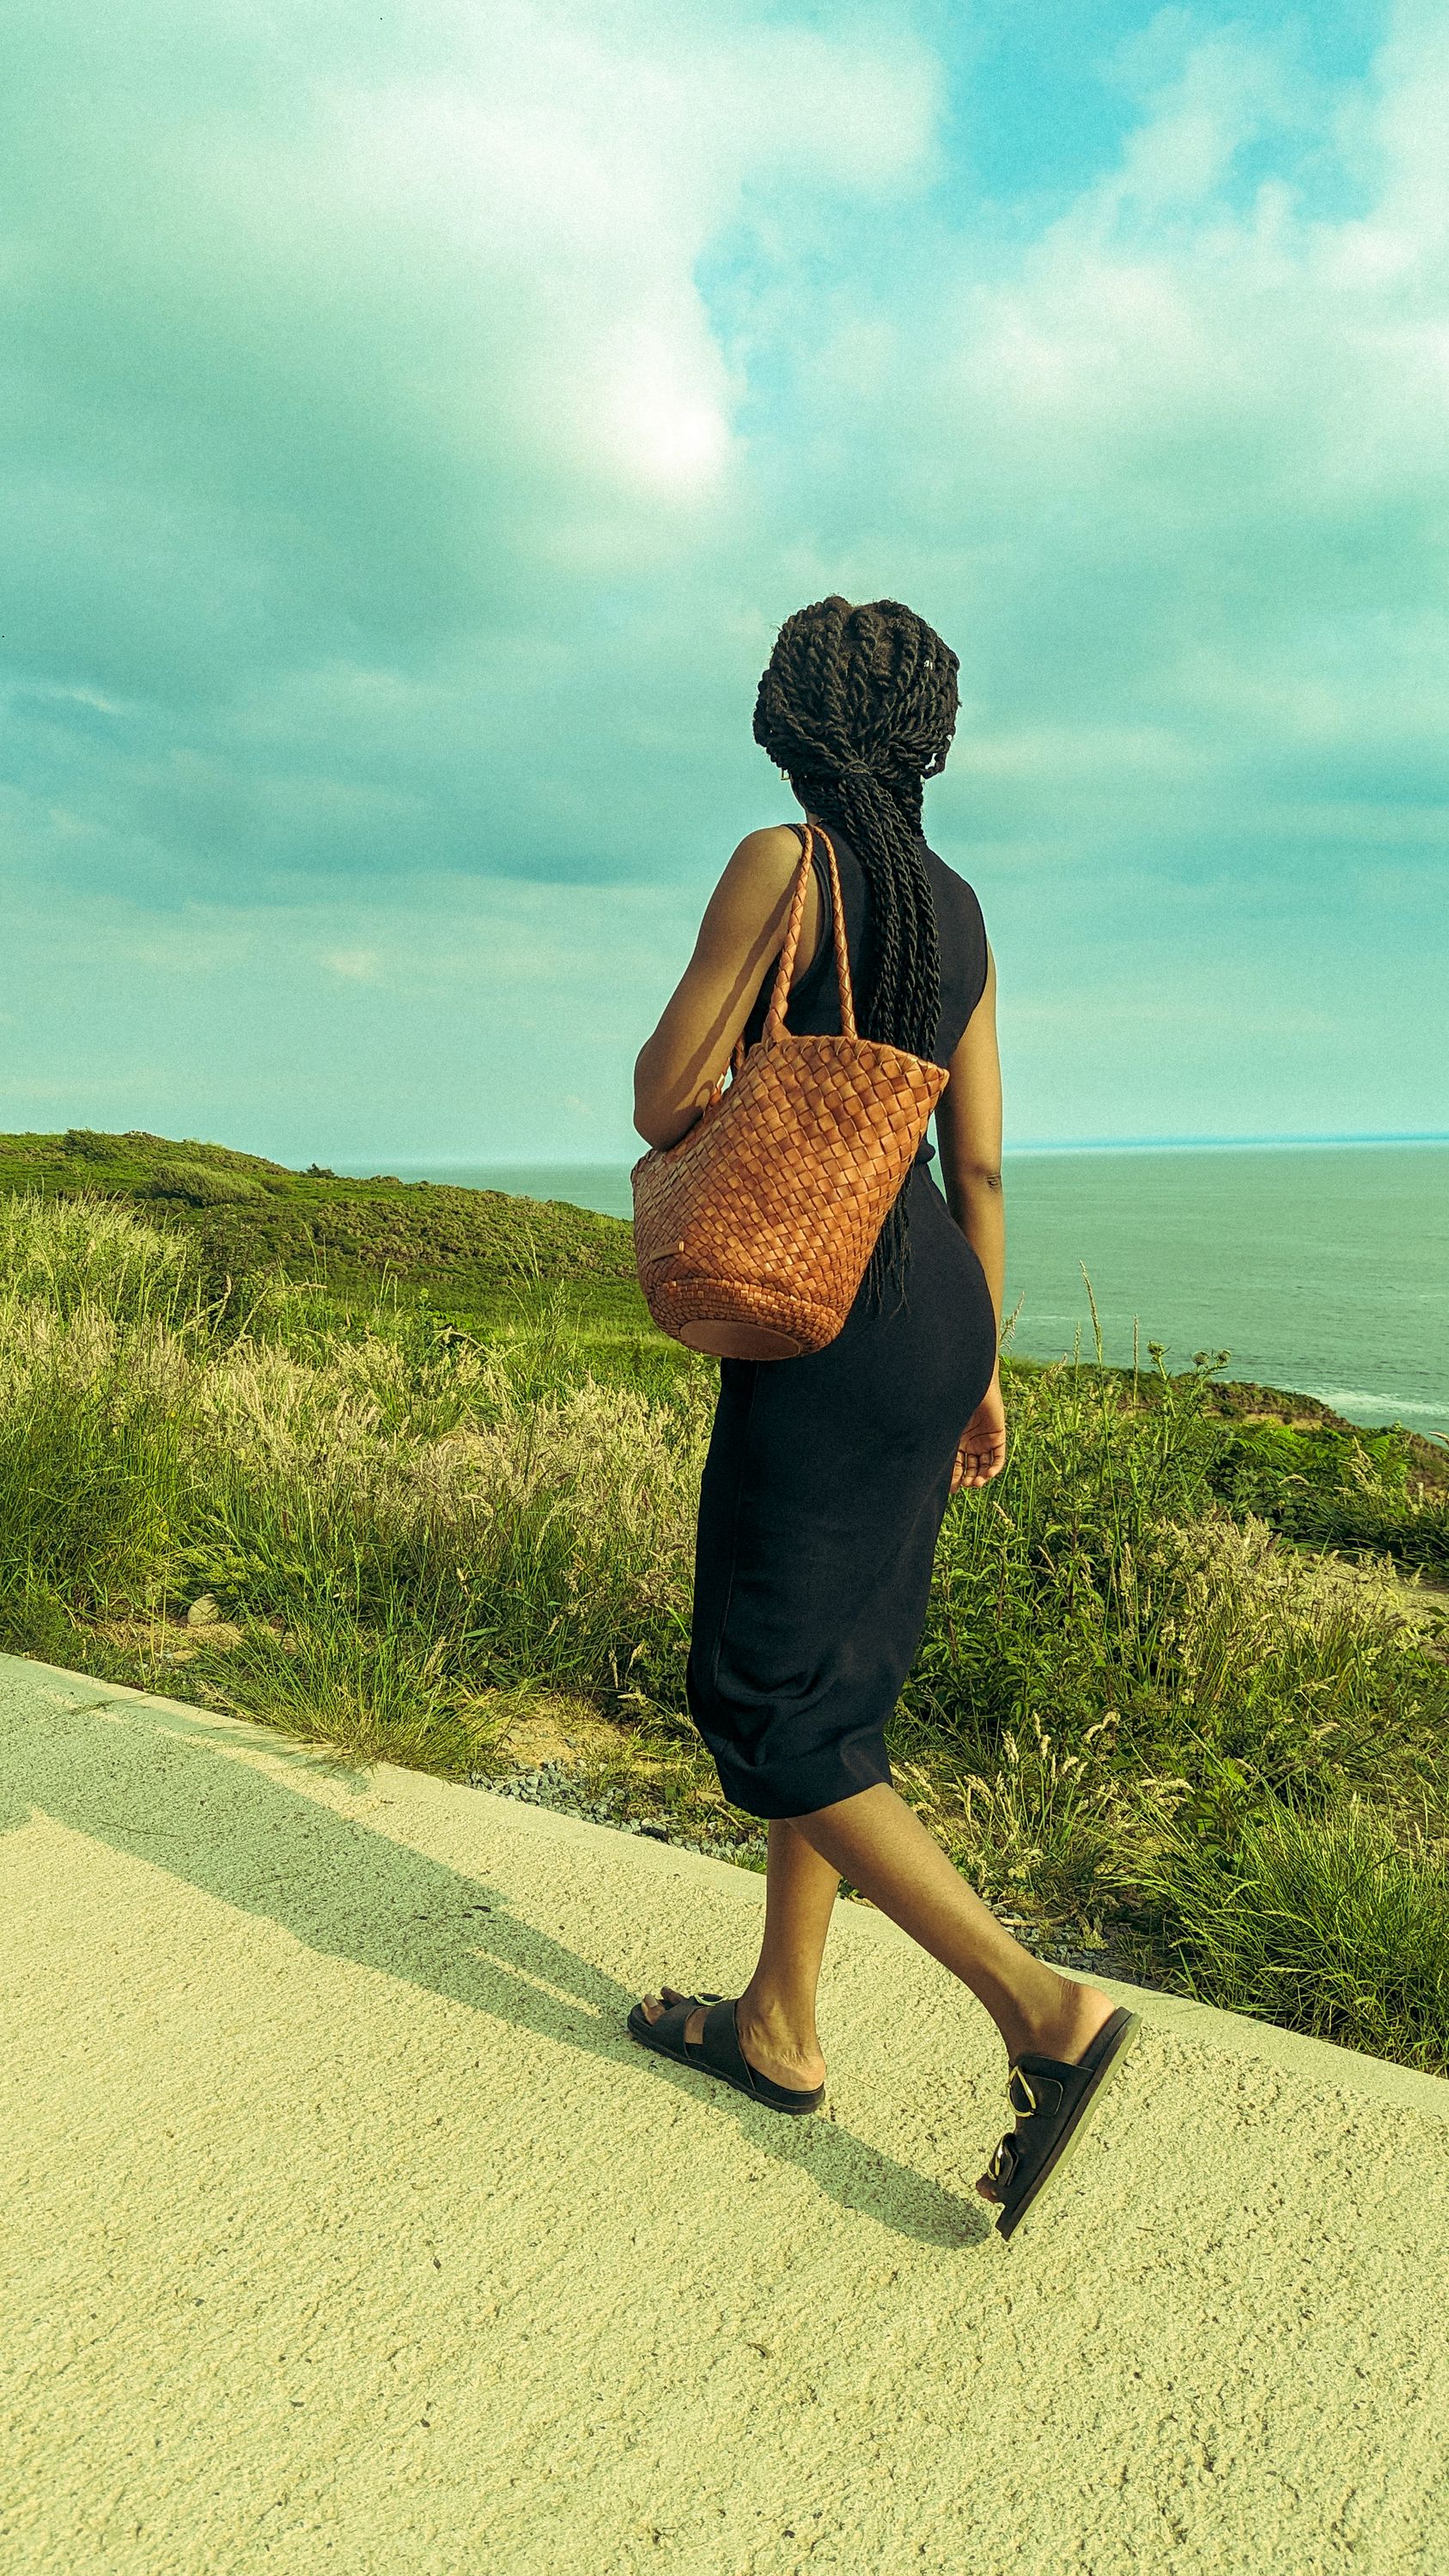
(968, 1132)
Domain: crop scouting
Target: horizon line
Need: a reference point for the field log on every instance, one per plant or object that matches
(1052, 1145)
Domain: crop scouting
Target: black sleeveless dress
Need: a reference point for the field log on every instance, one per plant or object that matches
(828, 1477)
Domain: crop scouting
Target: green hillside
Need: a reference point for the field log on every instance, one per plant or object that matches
(467, 1254)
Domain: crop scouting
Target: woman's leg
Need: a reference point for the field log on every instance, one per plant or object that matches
(776, 2013)
(876, 1841)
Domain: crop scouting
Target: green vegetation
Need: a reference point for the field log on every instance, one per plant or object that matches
(423, 1478)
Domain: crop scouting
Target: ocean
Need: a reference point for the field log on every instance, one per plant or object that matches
(1323, 1268)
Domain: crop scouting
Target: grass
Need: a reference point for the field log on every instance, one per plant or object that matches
(1175, 1703)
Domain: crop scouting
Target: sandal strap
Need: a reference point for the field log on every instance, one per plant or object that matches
(717, 2051)
(1049, 2084)
(670, 2023)
(719, 2044)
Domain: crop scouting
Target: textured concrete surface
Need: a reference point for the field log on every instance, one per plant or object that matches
(345, 2228)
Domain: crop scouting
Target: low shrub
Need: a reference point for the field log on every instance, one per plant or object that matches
(93, 1435)
(205, 1185)
(1331, 1919)
(1349, 1490)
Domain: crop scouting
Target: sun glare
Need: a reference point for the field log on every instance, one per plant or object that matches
(668, 429)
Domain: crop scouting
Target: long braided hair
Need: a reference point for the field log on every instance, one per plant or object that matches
(858, 705)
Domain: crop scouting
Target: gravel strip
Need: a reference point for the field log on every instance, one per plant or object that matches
(552, 1785)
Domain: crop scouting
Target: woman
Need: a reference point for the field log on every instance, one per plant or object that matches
(828, 1476)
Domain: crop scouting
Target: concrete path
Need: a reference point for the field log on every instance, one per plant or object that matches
(345, 2228)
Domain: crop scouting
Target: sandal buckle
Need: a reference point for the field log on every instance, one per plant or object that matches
(1037, 2093)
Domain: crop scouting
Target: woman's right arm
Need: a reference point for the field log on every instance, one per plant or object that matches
(743, 928)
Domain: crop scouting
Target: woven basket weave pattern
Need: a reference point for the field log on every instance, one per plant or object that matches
(765, 1214)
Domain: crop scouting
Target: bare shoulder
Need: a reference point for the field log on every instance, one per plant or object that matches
(764, 857)
(744, 918)
(755, 882)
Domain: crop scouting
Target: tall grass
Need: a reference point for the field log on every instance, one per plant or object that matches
(92, 1442)
(1132, 1712)
(399, 1521)
(1332, 1920)
(81, 1255)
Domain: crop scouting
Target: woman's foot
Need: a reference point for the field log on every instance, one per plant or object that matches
(1066, 2034)
(768, 2048)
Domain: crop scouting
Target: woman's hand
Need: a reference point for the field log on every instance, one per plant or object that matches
(981, 1449)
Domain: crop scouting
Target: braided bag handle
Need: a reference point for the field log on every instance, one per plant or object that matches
(775, 1016)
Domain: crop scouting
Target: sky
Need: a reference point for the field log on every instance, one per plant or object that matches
(417, 424)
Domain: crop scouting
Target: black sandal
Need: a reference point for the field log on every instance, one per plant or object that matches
(1056, 2102)
(717, 2050)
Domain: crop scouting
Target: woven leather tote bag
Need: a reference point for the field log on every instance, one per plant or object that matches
(752, 1234)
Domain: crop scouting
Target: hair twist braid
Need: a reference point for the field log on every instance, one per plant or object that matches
(858, 705)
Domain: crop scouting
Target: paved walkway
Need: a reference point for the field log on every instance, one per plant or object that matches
(345, 2228)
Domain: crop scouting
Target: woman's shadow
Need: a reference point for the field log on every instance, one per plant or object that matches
(160, 1784)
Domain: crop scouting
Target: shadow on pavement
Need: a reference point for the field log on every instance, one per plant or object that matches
(163, 1787)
